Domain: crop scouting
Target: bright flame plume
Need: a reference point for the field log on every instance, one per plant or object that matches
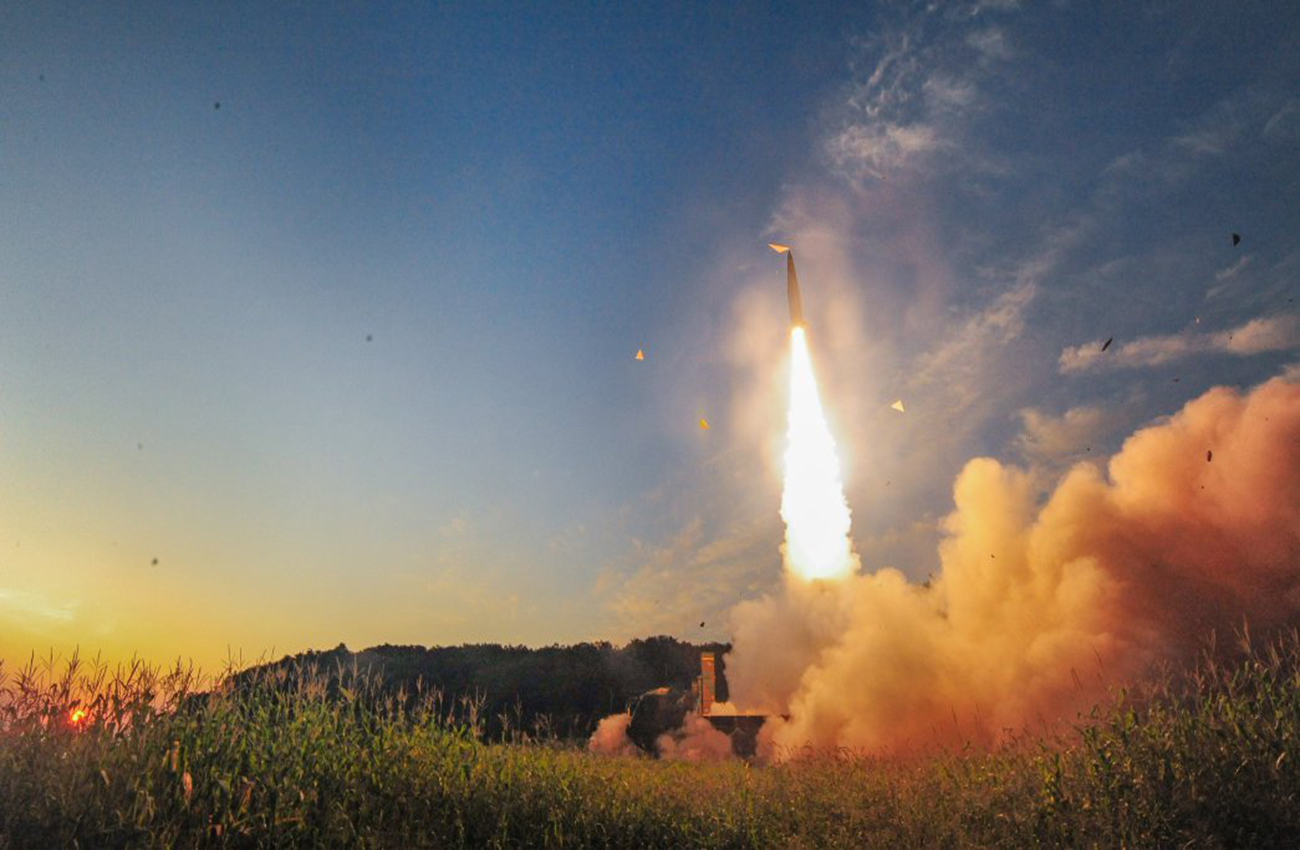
(816, 515)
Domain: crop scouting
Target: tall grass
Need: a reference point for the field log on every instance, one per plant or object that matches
(162, 758)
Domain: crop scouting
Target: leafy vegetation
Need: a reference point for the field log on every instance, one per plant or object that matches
(299, 758)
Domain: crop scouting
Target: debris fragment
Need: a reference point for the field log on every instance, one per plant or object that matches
(1105, 345)
(1236, 239)
(701, 624)
(155, 562)
(640, 355)
(898, 405)
(370, 337)
(704, 424)
(216, 105)
(1209, 455)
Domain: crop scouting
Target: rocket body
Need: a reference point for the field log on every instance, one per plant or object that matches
(792, 292)
(791, 285)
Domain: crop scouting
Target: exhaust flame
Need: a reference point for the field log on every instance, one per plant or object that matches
(816, 514)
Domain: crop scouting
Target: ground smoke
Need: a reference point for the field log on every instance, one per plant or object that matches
(694, 740)
(610, 737)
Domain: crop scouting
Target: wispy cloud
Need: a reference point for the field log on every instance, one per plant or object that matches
(1283, 123)
(29, 606)
(1224, 277)
(878, 148)
(1045, 437)
(968, 360)
(689, 580)
(922, 84)
(1228, 127)
(1232, 270)
(962, 358)
(991, 43)
(1259, 335)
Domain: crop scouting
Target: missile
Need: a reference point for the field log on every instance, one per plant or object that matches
(791, 285)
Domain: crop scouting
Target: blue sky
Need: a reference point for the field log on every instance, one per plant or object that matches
(509, 201)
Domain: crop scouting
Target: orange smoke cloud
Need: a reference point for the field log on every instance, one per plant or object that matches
(695, 740)
(1038, 607)
(610, 737)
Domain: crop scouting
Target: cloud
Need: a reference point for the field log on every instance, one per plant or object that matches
(993, 6)
(921, 89)
(944, 92)
(1284, 122)
(1240, 124)
(1232, 270)
(691, 579)
(877, 149)
(1207, 141)
(34, 609)
(991, 43)
(1259, 335)
(1044, 438)
(959, 363)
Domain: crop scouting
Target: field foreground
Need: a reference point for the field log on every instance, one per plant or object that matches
(142, 758)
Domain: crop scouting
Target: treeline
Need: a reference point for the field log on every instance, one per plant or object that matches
(559, 690)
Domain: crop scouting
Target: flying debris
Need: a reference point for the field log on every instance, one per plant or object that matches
(898, 405)
(370, 338)
(1209, 455)
(1107, 343)
(1236, 239)
(155, 563)
(640, 355)
(791, 285)
(701, 624)
(704, 424)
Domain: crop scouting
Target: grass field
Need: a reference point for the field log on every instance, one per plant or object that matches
(141, 758)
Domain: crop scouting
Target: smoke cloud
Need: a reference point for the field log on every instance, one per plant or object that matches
(1041, 604)
(610, 737)
(694, 740)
